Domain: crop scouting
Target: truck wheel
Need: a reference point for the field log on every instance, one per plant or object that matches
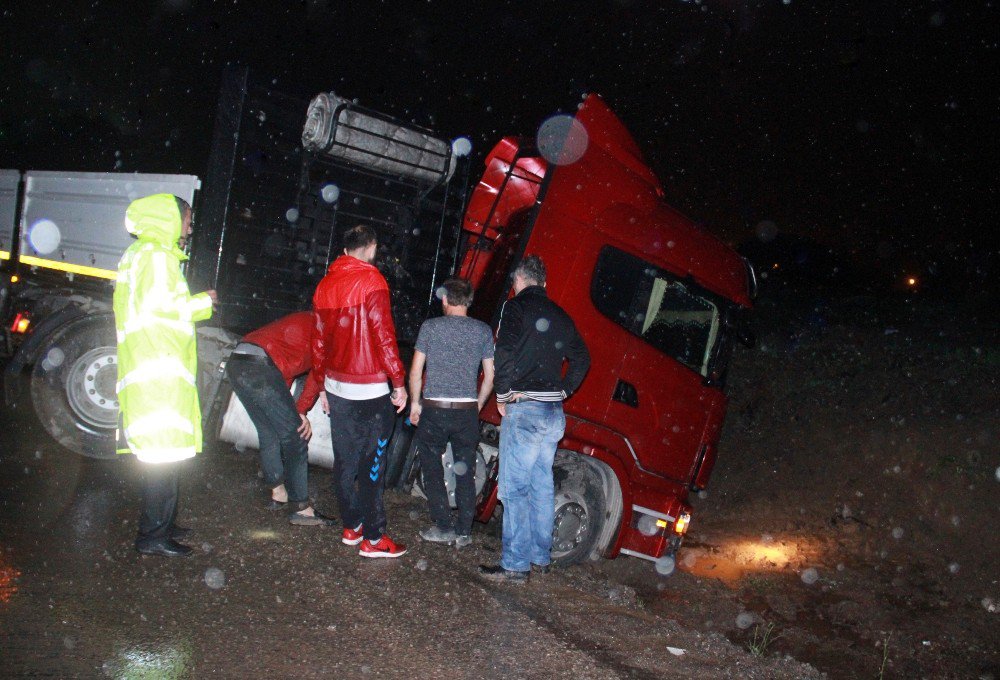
(73, 386)
(580, 509)
(400, 453)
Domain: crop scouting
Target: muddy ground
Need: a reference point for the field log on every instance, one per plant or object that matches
(850, 530)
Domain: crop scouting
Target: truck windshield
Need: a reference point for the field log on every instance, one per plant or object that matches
(676, 316)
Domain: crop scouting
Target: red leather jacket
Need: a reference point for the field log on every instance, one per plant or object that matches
(354, 339)
(287, 341)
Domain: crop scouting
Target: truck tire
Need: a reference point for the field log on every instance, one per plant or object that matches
(400, 453)
(580, 510)
(73, 386)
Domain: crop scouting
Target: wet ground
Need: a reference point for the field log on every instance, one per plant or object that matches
(77, 601)
(850, 530)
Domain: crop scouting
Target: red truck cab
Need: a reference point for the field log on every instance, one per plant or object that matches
(658, 301)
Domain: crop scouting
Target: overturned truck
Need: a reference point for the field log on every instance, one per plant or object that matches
(658, 300)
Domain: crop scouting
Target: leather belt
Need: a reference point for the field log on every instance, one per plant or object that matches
(441, 403)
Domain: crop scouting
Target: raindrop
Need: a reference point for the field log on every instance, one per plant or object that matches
(330, 193)
(954, 567)
(206, 547)
(745, 619)
(215, 578)
(897, 533)
(809, 576)
(647, 525)
(421, 565)
(997, 474)
(690, 559)
(703, 494)
(414, 514)
(937, 19)
(542, 325)
(665, 565)
(462, 146)
(44, 236)
(766, 230)
(55, 357)
(562, 140)
(292, 214)
(988, 604)
(460, 468)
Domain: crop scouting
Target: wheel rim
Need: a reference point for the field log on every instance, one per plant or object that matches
(90, 387)
(572, 524)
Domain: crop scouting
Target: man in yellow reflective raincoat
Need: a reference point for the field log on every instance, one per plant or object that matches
(155, 315)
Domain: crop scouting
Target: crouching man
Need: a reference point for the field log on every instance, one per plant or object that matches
(261, 370)
(451, 347)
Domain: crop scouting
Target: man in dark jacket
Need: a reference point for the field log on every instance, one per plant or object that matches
(535, 335)
(261, 370)
(354, 357)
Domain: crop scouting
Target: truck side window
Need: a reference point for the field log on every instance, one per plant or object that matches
(673, 315)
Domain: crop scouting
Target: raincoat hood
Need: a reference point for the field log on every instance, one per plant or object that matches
(157, 219)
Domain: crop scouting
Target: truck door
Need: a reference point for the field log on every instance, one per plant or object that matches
(660, 400)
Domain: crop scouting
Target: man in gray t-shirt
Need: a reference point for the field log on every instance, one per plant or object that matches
(452, 348)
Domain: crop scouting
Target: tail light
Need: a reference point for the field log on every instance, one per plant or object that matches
(20, 323)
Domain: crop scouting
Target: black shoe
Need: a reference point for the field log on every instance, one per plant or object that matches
(541, 568)
(165, 547)
(178, 531)
(315, 520)
(501, 575)
(276, 505)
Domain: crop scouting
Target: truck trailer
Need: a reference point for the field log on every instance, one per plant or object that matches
(658, 300)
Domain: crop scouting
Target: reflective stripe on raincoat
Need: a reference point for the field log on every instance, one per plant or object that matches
(154, 319)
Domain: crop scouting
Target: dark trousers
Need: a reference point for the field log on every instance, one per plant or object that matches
(160, 491)
(284, 455)
(438, 427)
(360, 430)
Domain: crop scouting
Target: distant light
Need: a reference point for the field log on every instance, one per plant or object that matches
(15, 278)
(682, 523)
(775, 266)
(911, 281)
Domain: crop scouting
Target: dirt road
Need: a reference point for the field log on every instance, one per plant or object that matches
(77, 601)
(850, 530)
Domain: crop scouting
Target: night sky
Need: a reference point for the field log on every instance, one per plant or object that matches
(869, 126)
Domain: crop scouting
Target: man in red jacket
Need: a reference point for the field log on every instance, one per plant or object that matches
(354, 357)
(261, 370)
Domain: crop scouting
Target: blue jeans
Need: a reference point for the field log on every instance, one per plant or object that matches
(284, 454)
(529, 434)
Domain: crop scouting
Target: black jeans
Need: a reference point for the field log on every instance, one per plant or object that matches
(360, 431)
(160, 492)
(437, 427)
(284, 454)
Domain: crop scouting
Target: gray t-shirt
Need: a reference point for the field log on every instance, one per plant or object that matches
(455, 347)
